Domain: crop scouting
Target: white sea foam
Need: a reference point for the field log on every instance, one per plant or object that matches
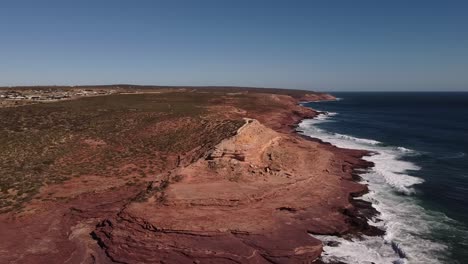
(359, 140)
(325, 115)
(408, 226)
(359, 250)
(321, 116)
(403, 149)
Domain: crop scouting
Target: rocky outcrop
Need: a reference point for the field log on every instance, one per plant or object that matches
(254, 199)
(313, 97)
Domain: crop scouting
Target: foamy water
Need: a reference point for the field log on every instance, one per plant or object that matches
(409, 227)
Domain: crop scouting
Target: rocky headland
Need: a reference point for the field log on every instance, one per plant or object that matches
(255, 193)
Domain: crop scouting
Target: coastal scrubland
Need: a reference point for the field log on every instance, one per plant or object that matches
(48, 143)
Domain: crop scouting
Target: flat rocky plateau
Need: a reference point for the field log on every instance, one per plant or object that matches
(191, 175)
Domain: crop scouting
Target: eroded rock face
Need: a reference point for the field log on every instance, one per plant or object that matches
(256, 209)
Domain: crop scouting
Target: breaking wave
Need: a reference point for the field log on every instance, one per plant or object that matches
(359, 140)
(408, 226)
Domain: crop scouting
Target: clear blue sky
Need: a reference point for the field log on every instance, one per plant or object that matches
(322, 45)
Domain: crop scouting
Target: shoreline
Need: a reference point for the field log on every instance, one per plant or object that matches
(364, 210)
(415, 231)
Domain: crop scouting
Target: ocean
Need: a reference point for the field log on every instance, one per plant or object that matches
(419, 183)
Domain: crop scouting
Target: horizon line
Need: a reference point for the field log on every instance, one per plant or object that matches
(154, 86)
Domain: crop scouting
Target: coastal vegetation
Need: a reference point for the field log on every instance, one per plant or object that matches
(48, 143)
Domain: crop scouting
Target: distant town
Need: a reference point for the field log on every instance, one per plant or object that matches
(17, 96)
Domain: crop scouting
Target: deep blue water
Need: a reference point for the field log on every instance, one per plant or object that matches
(434, 128)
